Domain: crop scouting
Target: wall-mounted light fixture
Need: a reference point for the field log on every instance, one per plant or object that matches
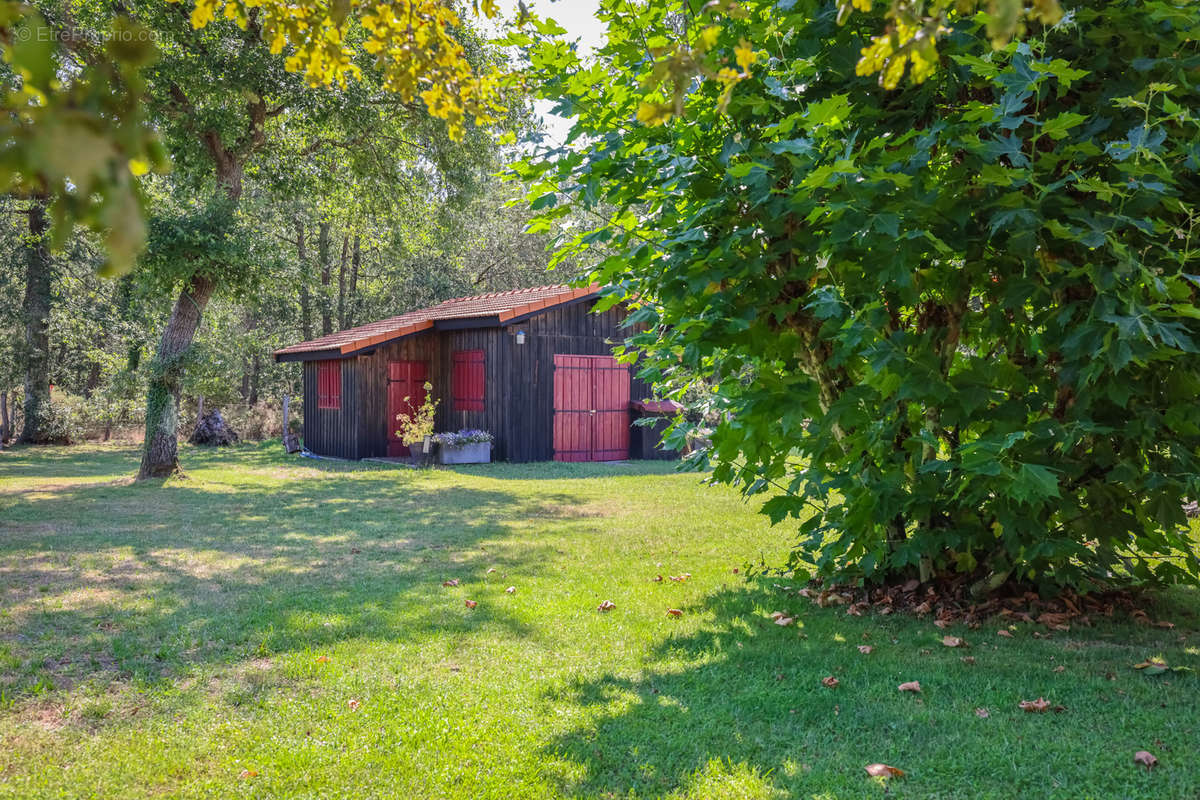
(520, 337)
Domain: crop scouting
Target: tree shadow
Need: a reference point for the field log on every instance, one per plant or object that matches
(138, 581)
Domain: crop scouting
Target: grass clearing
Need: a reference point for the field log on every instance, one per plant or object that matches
(276, 627)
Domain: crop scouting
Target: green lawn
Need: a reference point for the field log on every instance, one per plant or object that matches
(277, 627)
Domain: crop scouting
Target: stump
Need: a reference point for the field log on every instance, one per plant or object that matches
(212, 430)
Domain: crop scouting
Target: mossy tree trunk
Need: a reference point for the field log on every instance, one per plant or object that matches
(38, 278)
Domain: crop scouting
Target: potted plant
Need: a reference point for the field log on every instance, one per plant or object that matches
(464, 447)
(416, 431)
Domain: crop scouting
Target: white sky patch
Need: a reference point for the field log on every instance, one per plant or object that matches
(579, 18)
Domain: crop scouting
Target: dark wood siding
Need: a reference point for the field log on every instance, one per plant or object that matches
(518, 406)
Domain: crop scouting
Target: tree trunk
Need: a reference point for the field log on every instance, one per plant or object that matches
(38, 277)
(306, 328)
(3, 419)
(326, 276)
(341, 303)
(160, 457)
(255, 372)
(352, 300)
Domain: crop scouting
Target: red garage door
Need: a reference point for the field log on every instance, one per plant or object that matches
(406, 391)
(591, 409)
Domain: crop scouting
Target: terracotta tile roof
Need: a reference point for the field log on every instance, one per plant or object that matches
(504, 305)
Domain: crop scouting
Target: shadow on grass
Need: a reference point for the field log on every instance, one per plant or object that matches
(139, 580)
(741, 704)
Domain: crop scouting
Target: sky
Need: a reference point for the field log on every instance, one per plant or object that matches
(579, 18)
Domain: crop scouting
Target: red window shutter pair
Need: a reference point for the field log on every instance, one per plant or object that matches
(468, 380)
(329, 384)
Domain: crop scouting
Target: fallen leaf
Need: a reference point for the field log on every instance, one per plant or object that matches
(910, 585)
(491, 570)
(784, 621)
(680, 578)
(982, 713)
(952, 641)
(1145, 758)
(865, 649)
(674, 612)
(830, 682)
(1039, 706)
(249, 773)
(910, 686)
(923, 609)
(735, 570)
(322, 659)
(355, 551)
(607, 605)
(1060, 668)
(470, 603)
(658, 578)
(857, 609)
(1162, 623)
(1004, 633)
(942, 623)
(968, 660)
(1153, 666)
(510, 590)
(354, 704)
(451, 582)
(883, 771)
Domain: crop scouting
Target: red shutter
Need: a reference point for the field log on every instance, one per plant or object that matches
(468, 380)
(329, 384)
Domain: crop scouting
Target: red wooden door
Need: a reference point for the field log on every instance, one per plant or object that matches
(591, 409)
(406, 391)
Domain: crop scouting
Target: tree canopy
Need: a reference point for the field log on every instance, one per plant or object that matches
(955, 322)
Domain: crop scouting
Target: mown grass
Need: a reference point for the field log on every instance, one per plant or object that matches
(275, 627)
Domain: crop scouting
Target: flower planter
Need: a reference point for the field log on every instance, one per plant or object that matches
(474, 453)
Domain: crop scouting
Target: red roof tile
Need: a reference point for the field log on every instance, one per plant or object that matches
(504, 305)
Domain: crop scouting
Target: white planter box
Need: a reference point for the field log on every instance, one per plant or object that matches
(475, 453)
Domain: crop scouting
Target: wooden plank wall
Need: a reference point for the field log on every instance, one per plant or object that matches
(374, 420)
(333, 431)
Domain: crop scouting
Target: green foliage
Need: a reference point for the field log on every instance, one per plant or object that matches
(958, 321)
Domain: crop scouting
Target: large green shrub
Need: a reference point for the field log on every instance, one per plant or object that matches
(957, 320)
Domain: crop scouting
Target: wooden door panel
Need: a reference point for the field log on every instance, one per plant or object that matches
(406, 391)
(591, 408)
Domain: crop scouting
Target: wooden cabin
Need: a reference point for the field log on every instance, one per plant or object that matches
(533, 367)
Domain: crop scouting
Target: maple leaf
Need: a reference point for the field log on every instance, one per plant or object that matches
(607, 605)
(470, 603)
(830, 682)
(1145, 758)
(910, 686)
(883, 771)
(1039, 706)
(451, 582)
(674, 612)
(865, 649)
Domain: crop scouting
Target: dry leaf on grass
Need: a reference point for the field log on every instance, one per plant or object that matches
(490, 570)
(865, 649)
(1039, 706)
(680, 578)
(784, 621)
(354, 704)
(982, 713)
(1145, 758)
(658, 578)
(674, 612)
(510, 590)
(322, 659)
(1060, 668)
(910, 686)
(470, 603)
(830, 682)
(968, 660)
(952, 641)
(607, 605)
(942, 623)
(1004, 633)
(451, 582)
(247, 773)
(883, 771)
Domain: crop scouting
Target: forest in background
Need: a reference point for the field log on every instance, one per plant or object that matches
(351, 206)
